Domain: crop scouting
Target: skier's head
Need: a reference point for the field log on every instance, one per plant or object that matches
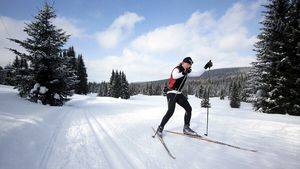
(187, 62)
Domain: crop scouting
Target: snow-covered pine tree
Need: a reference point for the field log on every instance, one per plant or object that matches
(8, 75)
(72, 61)
(1, 75)
(150, 89)
(14, 68)
(21, 76)
(205, 98)
(118, 84)
(105, 89)
(48, 75)
(115, 84)
(146, 89)
(158, 90)
(251, 85)
(124, 87)
(189, 89)
(102, 91)
(111, 91)
(81, 86)
(289, 67)
(277, 65)
(234, 97)
(200, 91)
(222, 94)
(71, 67)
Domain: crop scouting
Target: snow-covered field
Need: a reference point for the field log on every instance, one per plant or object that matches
(102, 132)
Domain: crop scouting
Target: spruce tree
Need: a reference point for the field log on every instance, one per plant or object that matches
(15, 67)
(111, 88)
(200, 91)
(21, 76)
(118, 85)
(8, 75)
(47, 79)
(1, 75)
(158, 90)
(105, 89)
(124, 87)
(102, 89)
(205, 98)
(234, 96)
(222, 94)
(277, 67)
(82, 86)
(71, 67)
(150, 89)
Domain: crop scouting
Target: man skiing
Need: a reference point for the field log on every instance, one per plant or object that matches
(174, 95)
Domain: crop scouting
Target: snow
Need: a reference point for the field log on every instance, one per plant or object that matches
(43, 90)
(35, 88)
(104, 132)
(56, 96)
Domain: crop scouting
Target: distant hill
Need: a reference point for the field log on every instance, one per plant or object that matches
(214, 74)
(225, 72)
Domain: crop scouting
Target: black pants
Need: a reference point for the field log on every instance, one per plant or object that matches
(183, 102)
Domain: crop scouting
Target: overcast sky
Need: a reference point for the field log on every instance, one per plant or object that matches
(145, 39)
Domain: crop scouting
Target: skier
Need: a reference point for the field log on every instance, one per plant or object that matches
(174, 95)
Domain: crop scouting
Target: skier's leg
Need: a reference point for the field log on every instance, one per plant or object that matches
(183, 102)
(171, 108)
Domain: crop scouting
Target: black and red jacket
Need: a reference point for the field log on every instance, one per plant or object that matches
(176, 78)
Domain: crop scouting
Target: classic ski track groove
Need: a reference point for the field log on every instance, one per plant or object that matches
(47, 152)
(98, 141)
(115, 147)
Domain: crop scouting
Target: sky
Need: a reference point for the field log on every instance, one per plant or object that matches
(145, 39)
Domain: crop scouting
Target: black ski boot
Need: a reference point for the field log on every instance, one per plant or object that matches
(188, 131)
(159, 131)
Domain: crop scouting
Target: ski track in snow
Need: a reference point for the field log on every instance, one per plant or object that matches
(113, 152)
(49, 147)
(100, 132)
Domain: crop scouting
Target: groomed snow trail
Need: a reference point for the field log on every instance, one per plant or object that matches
(101, 132)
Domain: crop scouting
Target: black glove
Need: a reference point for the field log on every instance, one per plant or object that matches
(187, 71)
(208, 65)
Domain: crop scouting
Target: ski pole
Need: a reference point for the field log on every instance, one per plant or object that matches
(207, 112)
(185, 76)
(155, 133)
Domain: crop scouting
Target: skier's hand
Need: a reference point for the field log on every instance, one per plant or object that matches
(189, 70)
(186, 71)
(208, 65)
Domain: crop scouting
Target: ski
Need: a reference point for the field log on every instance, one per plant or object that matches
(164, 144)
(199, 137)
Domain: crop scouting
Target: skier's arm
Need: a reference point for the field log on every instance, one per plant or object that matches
(196, 73)
(199, 73)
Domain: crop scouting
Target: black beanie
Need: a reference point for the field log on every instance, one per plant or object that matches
(188, 60)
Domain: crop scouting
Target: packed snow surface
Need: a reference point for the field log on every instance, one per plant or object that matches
(103, 132)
